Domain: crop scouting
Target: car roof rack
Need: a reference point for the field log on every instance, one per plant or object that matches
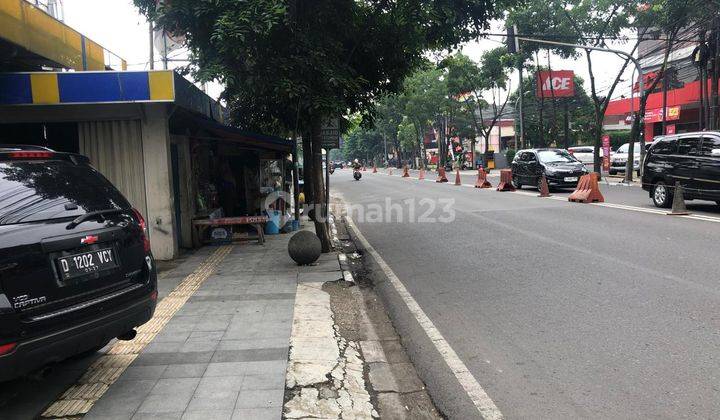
(19, 147)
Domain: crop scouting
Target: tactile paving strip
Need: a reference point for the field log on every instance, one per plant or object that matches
(79, 398)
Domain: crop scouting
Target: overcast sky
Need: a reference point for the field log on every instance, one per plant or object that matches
(117, 26)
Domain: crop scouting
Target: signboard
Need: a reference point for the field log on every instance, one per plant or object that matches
(656, 115)
(606, 152)
(670, 129)
(330, 134)
(556, 84)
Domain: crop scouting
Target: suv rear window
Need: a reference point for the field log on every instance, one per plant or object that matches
(31, 191)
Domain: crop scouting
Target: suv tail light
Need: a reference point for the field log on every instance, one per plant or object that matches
(143, 226)
(7, 348)
(26, 154)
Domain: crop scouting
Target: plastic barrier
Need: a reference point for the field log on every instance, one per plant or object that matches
(482, 181)
(587, 190)
(441, 175)
(506, 180)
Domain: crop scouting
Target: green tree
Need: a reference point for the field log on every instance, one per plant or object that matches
(288, 65)
(469, 83)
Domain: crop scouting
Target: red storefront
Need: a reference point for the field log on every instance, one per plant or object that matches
(683, 110)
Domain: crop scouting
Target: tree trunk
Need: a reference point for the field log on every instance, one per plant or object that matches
(318, 186)
(597, 132)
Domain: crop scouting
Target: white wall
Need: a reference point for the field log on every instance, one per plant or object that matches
(158, 182)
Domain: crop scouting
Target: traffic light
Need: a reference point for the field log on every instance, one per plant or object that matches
(512, 41)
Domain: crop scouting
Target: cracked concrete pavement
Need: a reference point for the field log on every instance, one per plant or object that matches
(346, 359)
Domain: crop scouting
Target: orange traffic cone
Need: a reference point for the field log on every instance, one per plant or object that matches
(421, 175)
(588, 190)
(441, 175)
(543, 187)
(405, 172)
(457, 177)
(364, 169)
(482, 181)
(374, 169)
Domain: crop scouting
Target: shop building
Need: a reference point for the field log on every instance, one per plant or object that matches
(154, 135)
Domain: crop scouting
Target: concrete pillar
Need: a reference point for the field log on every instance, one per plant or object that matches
(158, 182)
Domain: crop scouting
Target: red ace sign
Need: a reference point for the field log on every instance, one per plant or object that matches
(555, 84)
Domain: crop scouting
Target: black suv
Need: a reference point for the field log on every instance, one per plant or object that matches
(75, 264)
(693, 159)
(561, 169)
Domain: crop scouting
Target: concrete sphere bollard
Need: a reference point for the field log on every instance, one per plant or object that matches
(304, 247)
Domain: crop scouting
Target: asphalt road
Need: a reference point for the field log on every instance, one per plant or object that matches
(559, 310)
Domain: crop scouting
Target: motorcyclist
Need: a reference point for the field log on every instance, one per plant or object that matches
(356, 165)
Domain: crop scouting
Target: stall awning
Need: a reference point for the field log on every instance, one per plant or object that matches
(226, 133)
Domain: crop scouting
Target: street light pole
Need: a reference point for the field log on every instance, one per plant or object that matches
(641, 83)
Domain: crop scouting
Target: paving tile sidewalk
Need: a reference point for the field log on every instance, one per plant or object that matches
(224, 353)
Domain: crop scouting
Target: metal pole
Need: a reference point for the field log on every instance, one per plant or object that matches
(327, 186)
(165, 52)
(152, 48)
(520, 98)
(296, 181)
(385, 156)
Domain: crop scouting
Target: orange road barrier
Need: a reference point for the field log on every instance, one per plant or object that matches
(441, 175)
(457, 177)
(543, 187)
(678, 204)
(587, 190)
(506, 180)
(482, 181)
(405, 172)
(421, 175)
(374, 169)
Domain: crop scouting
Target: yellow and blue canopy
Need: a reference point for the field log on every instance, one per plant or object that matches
(47, 88)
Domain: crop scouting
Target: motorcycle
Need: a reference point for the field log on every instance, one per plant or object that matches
(357, 174)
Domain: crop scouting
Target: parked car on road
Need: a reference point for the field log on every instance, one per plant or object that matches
(585, 154)
(75, 264)
(693, 159)
(560, 168)
(619, 159)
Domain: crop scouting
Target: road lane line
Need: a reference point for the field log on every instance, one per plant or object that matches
(97, 379)
(484, 404)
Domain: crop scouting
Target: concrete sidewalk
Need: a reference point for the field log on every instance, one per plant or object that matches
(223, 354)
(242, 332)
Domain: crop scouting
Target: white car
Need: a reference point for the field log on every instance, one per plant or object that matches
(585, 154)
(620, 157)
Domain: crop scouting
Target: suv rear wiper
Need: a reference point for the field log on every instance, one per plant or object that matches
(91, 215)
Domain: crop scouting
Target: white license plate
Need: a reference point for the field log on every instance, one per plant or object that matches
(86, 263)
(571, 178)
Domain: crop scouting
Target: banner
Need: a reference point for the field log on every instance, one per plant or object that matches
(656, 115)
(606, 153)
(555, 84)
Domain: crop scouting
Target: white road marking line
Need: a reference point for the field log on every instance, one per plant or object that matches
(484, 404)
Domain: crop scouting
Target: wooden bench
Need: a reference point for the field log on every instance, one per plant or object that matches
(202, 225)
